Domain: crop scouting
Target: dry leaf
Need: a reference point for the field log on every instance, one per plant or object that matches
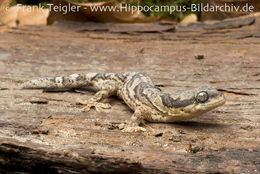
(9, 17)
(59, 15)
(190, 19)
(21, 15)
(115, 15)
(220, 15)
(3, 5)
(32, 17)
(86, 14)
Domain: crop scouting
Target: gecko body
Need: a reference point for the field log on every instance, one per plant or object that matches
(138, 91)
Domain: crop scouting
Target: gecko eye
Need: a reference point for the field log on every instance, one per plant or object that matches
(202, 97)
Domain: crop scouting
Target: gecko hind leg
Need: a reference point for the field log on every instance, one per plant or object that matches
(94, 102)
(136, 119)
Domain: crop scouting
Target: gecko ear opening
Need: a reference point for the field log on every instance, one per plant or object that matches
(202, 97)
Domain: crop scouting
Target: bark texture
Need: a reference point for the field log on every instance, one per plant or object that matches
(47, 132)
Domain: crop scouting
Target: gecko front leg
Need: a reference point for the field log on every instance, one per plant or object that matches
(107, 89)
(136, 119)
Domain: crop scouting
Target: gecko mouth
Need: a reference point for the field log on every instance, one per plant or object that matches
(213, 103)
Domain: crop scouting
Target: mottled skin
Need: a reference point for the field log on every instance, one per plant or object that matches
(139, 93)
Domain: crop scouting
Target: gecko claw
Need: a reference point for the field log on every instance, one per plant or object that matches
(101, 106)
(92, 104)
(128, 128)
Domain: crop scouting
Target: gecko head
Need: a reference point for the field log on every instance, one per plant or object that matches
(207, 98)
(196, 102)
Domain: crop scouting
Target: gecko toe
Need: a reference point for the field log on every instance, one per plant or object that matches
(101, 106)
(92, 104)
(86, 109)
(83, 102)
(125, 128)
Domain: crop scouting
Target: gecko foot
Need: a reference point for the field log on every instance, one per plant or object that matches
(128, 128)
(93, 104)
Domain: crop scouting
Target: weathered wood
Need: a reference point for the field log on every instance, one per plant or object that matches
(48, 131)
(17, 157)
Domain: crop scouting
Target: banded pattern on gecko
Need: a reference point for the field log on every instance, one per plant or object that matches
(138, 91)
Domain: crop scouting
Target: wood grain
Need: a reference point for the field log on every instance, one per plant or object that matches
(48, 132)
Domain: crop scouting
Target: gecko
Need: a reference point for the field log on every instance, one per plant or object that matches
(138, 91)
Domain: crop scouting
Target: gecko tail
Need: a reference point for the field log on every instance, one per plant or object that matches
(62, 82)
(36, 84)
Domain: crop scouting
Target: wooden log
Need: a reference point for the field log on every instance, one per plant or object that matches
(48, 132)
